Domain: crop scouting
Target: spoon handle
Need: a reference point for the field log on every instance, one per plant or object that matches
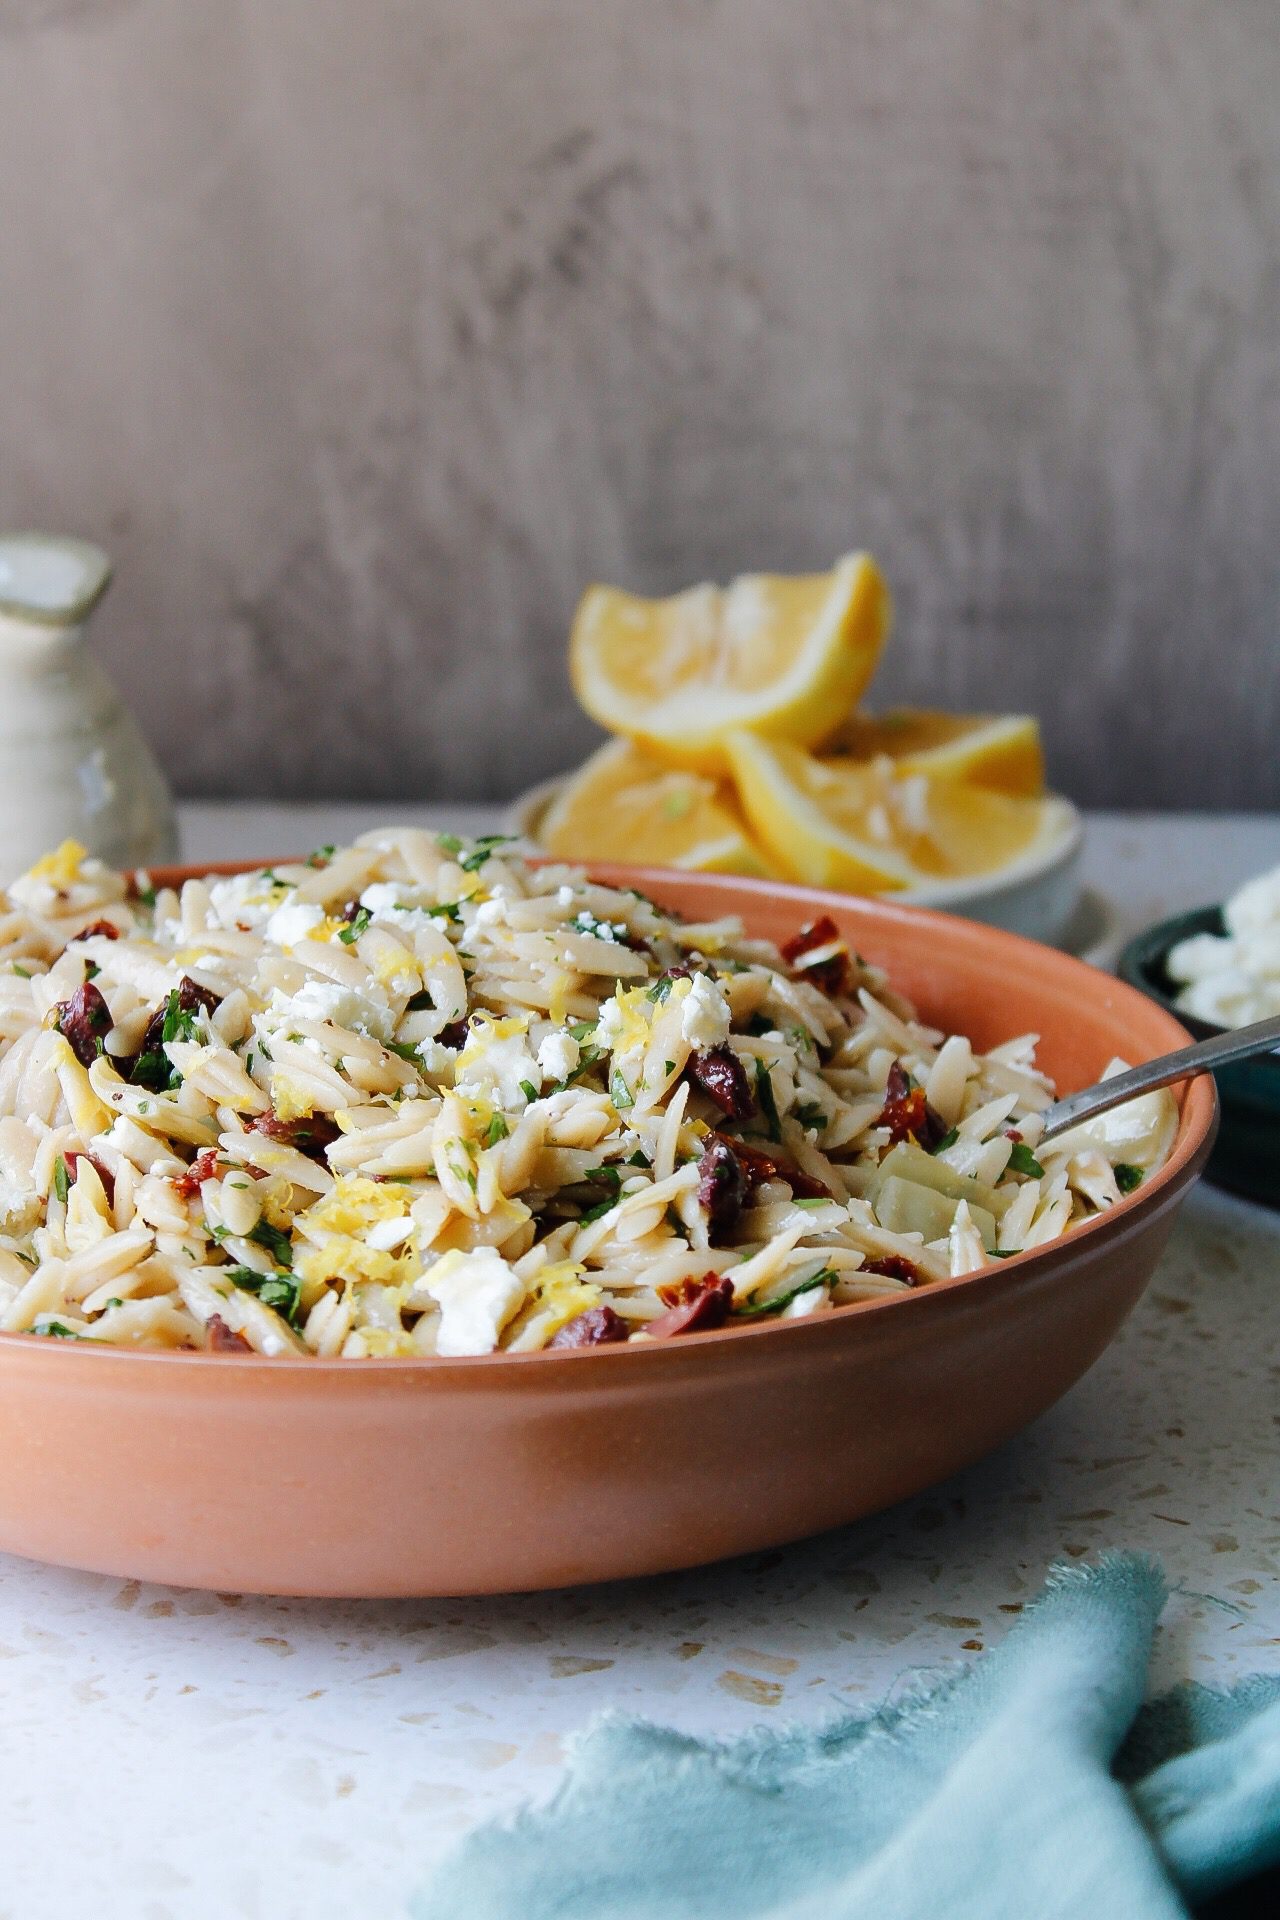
(1242, 1042)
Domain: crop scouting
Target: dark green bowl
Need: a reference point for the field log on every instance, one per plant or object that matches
(1247, 1155)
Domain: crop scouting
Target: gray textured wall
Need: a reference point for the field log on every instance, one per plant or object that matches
(365, 334)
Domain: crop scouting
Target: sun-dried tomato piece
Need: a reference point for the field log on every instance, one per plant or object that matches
(723, 1078)
(907, 1113)
(833, 972)
(310, 1135)
(99, 929)
(104, 1173)
(706, 1304)
(597, 1327)
(203, 1167)
(221, 1337)
(759, 1166)
(723, 1184)
(84, 1021)
(894, 1267)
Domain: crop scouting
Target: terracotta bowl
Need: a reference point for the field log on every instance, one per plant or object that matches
(385, 1477)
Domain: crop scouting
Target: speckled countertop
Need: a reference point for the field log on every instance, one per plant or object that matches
(174, 1754)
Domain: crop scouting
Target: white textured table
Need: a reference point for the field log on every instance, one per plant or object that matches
(167, 1753)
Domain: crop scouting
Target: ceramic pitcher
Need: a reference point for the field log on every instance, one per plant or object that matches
(73, 764)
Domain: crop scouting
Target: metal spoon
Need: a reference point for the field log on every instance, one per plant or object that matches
(1262, 1037)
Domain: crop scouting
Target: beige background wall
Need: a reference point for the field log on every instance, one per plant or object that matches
(364, 334)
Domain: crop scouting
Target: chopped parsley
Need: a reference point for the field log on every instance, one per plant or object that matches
(581, 1030)
(755, 1309)
(639, 1159)
(606, 1176)
(810, 1114)
(597, 1212)
(147, 895)
(619, 1092)
(449, 843)
(496, 1130)
(768, 1105)
(279, 1291)
(1128, 1177)
(354, 928)
(481, 849)
(948, 1139)
(443, 909)
(23, 973)
(406, 1051)
(661, 988)
(56, 1331)
(1022, 1160)
(322, 855)
(276, 1243)
(61, 1179)
(529, 1091)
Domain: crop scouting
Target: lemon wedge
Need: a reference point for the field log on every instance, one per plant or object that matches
(997, 750)
(779, 655)
(624, 805)
(858, 826)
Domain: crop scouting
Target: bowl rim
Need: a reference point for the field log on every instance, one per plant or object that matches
(1197, 1125)
(524, 814)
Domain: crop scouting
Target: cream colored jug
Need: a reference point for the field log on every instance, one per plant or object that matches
(73, 763)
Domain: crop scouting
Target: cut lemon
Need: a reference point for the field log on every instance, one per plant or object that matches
(624, 805)
(844, 823)
(780, 655)
(997, 750)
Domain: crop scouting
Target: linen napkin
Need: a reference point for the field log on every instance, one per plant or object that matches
(1006, 1792)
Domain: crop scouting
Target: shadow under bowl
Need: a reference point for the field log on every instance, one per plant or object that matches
(1246, 1157)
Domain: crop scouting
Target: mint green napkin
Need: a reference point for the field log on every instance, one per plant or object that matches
(1007, 1792)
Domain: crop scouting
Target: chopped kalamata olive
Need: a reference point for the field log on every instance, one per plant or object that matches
(104, 1173)
(705, 1304)
(758, 1166)
(597, 1327)
(832, 971)
(310, 1135)
(454, 1035)
(221, 1337)
(84, 1020)
(203, 1167)
(191, 995)
(723, 1184)
(99, 929)
(894, 1267)
(723, 1078)
(907, 1113)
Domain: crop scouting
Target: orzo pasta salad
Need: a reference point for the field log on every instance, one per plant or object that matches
(414, 1096)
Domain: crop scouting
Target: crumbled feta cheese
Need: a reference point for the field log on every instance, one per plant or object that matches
(436, 1059)
(558, 1056)
(490, 912)
(495, 1062)
(245, 899)
(564, 896)
(382, 896)
(705, 1018)
(291, 922)
(611, 1024)
(367, 1011)
(477, 1294)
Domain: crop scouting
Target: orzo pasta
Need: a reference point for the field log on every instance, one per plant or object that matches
(414, 1096)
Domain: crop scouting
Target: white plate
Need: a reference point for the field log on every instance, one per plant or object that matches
(1036, 896)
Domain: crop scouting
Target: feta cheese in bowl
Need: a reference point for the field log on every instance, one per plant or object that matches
(1231, 978)
(1218, 968)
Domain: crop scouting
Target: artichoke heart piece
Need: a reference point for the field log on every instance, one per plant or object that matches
(909, 1162)
(904, 1206)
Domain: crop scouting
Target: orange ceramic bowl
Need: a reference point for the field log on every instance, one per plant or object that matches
(373, 1477)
